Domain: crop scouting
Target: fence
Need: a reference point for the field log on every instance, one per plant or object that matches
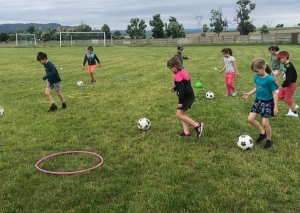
(278, 38)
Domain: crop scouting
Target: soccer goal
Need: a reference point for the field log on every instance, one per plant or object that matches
(25, 39)
(82, 38)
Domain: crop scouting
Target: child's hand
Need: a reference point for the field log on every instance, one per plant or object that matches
(245, 96)
(179, 106)
(82, 67)
(171, 89)
(275, 110)
(237, 73)
(221, 71)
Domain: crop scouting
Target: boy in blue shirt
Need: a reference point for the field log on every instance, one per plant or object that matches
(53, 81)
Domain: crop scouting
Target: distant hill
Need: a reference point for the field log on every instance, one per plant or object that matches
(12, 28)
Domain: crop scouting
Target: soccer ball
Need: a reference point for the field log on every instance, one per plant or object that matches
(216, 68)
(210, 95)
(80, 83)
(1, 111)
(144, 124)
(245, 142)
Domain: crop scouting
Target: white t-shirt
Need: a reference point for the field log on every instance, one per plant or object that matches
(229, 64)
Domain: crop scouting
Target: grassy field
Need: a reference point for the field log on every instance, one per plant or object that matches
(151, 171)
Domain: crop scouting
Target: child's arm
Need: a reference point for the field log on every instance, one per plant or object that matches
(52, 71)
(235, 67)
(222, 70)
(97, 59)
(275, 98)
(247, 95)
(84, 61)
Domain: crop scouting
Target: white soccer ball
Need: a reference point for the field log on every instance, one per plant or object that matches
(245, 142)
(1, 111)
(144, 124)
(216, 68)
(210, 95)
(80, 83)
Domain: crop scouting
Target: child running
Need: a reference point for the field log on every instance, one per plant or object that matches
(266, 101)
(91, 58)
(186, 97)
(288, 87)
(180, 56)
(231, 71)
(53, 81)
(275, 65)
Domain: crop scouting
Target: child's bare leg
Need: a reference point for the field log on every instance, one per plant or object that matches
(60, 95)
(255, 123)
(184, 118)
(92, 76)
(49, 96)
(265, 123)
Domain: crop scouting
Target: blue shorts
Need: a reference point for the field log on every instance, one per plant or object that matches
(186, 105)
(264, 108)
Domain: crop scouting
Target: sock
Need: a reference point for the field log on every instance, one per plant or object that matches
(197, 124)
(186, 132)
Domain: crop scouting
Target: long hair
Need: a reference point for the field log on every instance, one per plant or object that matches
(174, 62)
(260, 63)
(227, 51)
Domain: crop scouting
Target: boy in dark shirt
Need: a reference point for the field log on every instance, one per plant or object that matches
(53, 81)
(91, 58)
(288, 87)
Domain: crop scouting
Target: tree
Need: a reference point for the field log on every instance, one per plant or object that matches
(136, 29)
(50, 34)
(4, 37)
(117, 35)
(174, 29)
(204, 30)
(217, 21)
(264, 29)
(158, 27)
(298, 24)
(105, 28)
(31, 30)
(279, 25)
(83, 28)
(242, 17)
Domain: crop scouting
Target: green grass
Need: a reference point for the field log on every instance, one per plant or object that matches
(151, 171)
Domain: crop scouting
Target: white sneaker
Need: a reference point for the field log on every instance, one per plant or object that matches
(292, 114)
(234, 94)
(296, 107)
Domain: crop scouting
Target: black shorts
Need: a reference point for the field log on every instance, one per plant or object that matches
(264, 108)
(186, 105)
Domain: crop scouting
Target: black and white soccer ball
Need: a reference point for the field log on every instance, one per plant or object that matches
(210, 95)
(245, 142)
(80, 83)
(144, 124)
(1, 111)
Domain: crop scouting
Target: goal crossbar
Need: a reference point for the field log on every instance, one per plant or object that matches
(20, 34)
(104, 42)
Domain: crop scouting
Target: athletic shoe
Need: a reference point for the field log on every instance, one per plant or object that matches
(183, 134)
(64, 105)
(199, 130)
(261, 137)
(290, 113)
(226, 95)
(268, 144)
(93, 82)
(53, 108)
(234, 94)
(296, 107)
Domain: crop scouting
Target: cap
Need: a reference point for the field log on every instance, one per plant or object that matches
(180, 47)
(282, 54)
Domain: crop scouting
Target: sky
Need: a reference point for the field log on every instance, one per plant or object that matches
(118, 13)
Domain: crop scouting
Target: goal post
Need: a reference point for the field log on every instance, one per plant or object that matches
(25, 39)
(82, 38)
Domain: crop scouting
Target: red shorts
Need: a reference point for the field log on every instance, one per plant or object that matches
(91, 68)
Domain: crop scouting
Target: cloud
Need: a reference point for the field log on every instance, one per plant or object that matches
(117, 14)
